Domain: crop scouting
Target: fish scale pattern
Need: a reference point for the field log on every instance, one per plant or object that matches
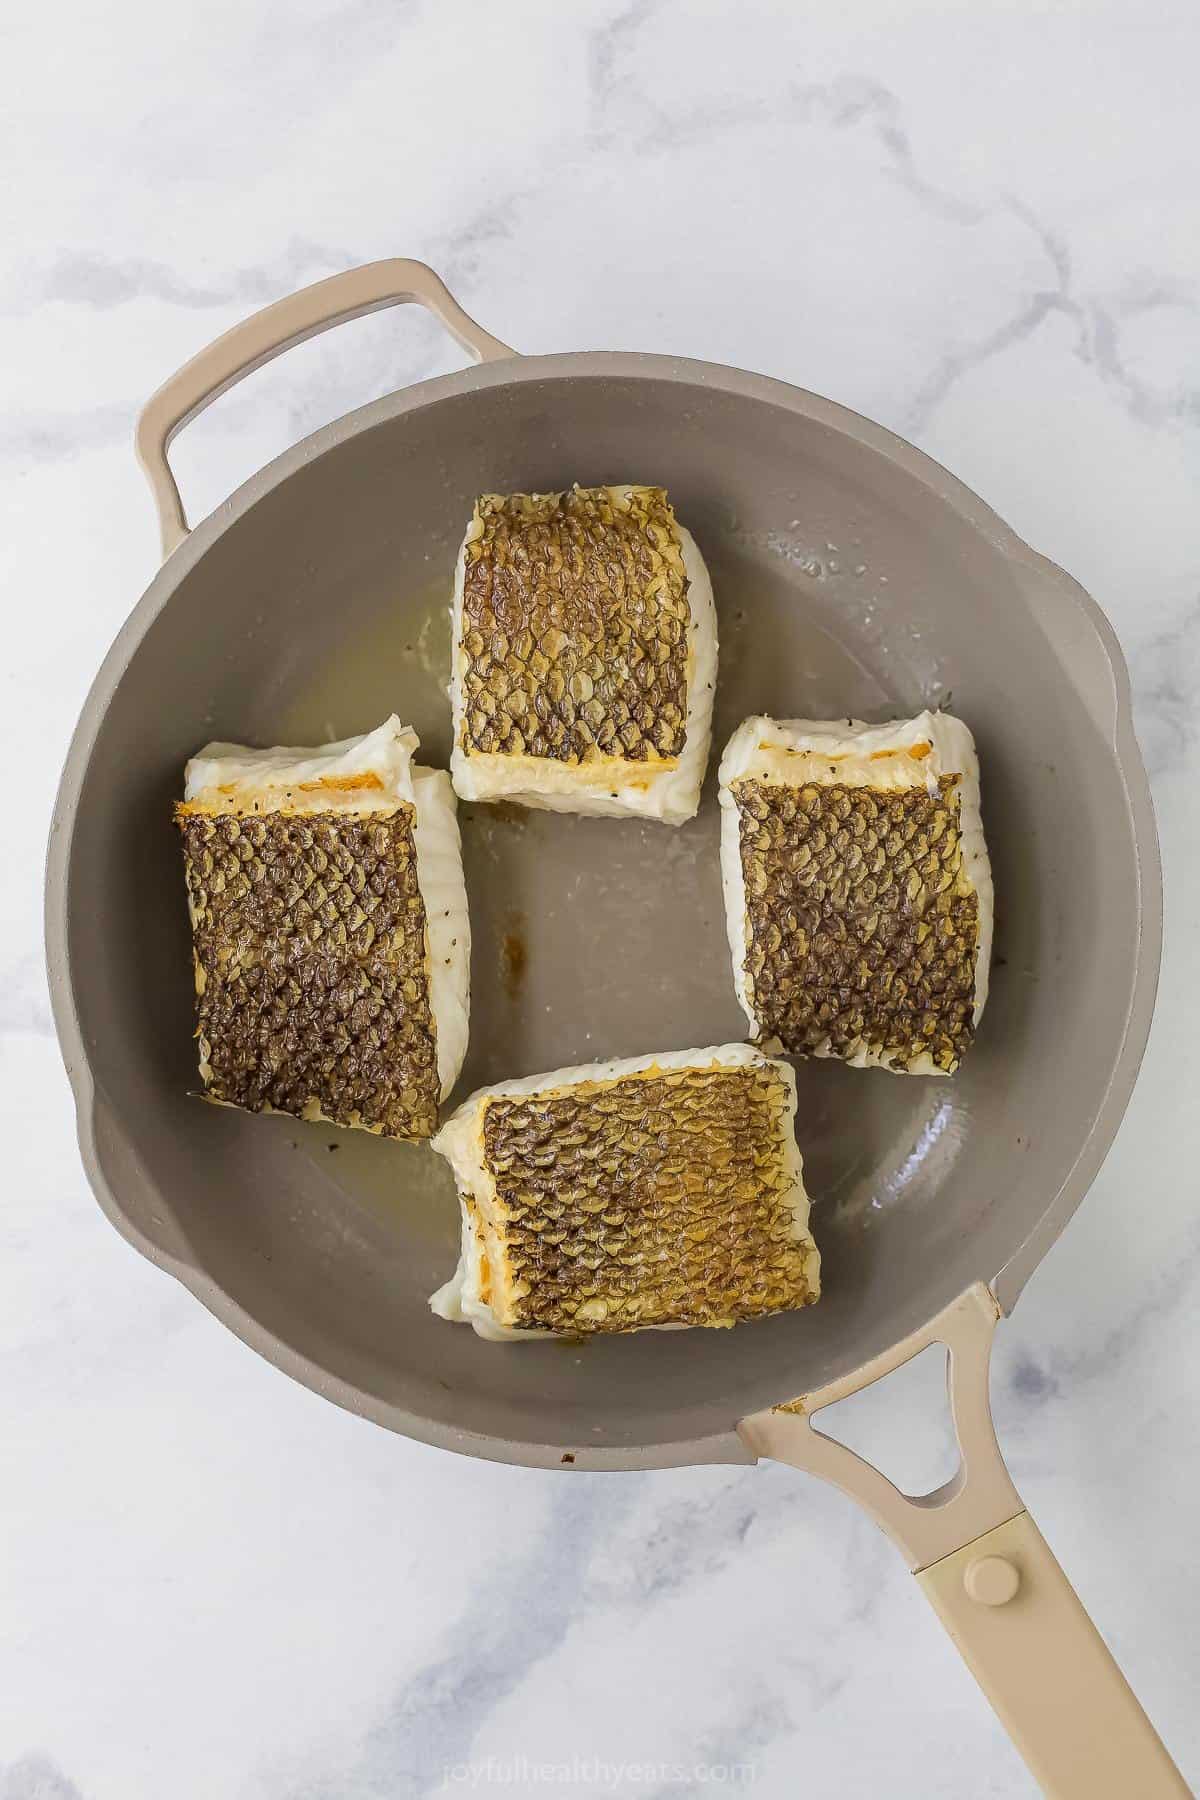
(863, 928)
(575, 627)
(649, 1200)
(311, 971)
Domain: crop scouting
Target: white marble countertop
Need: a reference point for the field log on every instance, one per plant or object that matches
(978, 228)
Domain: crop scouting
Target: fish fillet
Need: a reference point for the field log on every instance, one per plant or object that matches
(858, 892)
(331, 940)
(654, 1192)
(584, 655)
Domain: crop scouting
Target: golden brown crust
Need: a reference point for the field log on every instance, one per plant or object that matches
(862, 927)
(231, 796)
(311, 978)
(648, 1200)
(575, 627)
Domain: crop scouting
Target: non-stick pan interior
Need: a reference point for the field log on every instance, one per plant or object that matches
(844, 585)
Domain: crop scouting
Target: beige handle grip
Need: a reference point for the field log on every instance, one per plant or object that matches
(990, 1577)
(1023, 1633)
(267, 334)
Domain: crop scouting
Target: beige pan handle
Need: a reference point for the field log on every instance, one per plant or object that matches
(267, 334)
(991, 1578)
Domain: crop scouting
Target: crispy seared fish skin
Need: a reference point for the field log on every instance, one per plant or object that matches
(315, 986)
(575, 627)
(661, 1191)
(309, 939)
(858, 888)
(584, 654)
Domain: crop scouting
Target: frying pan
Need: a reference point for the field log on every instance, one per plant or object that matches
(852, 575)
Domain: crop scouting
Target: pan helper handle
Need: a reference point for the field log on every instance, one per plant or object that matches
(267, 334)
(990, 1576)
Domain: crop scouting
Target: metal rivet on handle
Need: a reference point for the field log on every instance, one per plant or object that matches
(992, 1580)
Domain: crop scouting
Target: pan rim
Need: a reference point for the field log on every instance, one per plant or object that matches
(1038, 575)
